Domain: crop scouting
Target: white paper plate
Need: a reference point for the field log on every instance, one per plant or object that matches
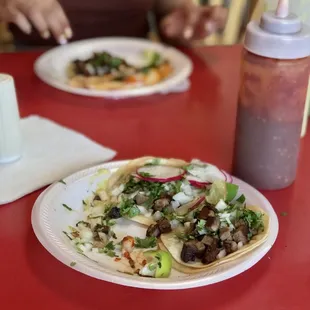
(50, 218)
(51, 66)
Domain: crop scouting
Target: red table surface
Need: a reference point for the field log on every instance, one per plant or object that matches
(199, 123)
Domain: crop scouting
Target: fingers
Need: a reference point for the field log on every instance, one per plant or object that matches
(39, 23)
(20, 20)
(219, 16)
(172, 25)
(193, 22)
(48, 20)
(192, 18)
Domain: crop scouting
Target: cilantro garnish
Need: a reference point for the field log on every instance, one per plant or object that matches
(110, 246)
(253, 219)
(108, 249)
(201, 227)
(66, 206)
(128, 208)
(67, 235)
(148, 242)
(63, 182)
(72, 264)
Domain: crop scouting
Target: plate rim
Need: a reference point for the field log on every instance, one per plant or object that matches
(131, 281)
(140, 91)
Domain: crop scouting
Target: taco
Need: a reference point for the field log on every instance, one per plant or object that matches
(103, 71)
(160, 190)
(217, 237)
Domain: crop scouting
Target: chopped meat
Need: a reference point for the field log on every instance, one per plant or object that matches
(189, 251)
(211, 251)
(241, 234)
(230, 246)
(210, 255)
(201, 248)
(164, 225)
(225, 234)
(141, 199)
(213, 223)
(102, 228)
(166, 195)
(98, 244)
(160, 204)
(239, 223)
(207, 240)
(211, 207)
(189, 227)
(205, 213)
(114, 213)
(153, 231)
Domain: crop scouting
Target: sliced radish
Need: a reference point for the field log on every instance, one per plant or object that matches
(205, 173)
(160, 173)
(228, 177)
(196, 181)
(189, 206)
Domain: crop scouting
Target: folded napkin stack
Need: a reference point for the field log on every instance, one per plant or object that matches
(50, 153)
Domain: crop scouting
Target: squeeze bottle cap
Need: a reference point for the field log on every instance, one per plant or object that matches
(279, 34)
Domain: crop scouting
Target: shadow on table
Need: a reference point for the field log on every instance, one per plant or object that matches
(64, 286)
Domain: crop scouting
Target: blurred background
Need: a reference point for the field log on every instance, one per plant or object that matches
(241, 11)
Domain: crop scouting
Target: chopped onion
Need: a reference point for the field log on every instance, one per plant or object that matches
(240, 245)
(157, 216)
(221, 205)
(182, 198)
(86, 234)
(174, 224)
(174, 204)
(221, 254)
(186, 188)
(90, 69)
(142, 209)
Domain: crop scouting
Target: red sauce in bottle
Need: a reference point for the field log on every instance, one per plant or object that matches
(270, 113)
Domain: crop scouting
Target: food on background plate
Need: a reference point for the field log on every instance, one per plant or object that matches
(195, 218)
(103, 71)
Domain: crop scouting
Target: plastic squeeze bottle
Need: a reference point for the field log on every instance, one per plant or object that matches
(274, 81)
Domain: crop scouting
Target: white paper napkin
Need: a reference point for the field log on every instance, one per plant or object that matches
(50, 153)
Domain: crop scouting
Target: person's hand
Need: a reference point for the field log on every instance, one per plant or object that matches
(47, 16)
(193, 22)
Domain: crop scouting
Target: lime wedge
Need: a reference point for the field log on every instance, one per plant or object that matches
(232, 191)
(152, 58)
(222, 190)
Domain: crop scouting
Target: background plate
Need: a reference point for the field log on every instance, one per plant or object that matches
(50, 218)
(51, 66)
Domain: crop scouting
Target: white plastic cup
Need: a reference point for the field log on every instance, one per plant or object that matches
(10, 133)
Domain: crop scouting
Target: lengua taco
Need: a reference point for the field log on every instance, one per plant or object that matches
(199, 217)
